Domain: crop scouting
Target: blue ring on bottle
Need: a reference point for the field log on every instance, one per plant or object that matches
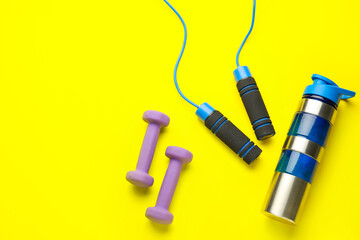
(310, 126)
(297, 164)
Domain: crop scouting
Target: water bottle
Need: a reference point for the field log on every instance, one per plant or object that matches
(303, 149)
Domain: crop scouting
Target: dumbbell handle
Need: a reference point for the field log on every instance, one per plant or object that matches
(171, 179)
(148, 147)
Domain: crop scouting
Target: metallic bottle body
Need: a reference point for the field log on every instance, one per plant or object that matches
(301, 153)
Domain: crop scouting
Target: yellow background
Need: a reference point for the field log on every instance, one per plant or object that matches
(76, 77)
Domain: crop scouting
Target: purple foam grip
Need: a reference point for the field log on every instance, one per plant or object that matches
(140, 176)
(160, 213)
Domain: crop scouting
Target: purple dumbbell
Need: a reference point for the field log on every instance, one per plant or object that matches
(140, 176)
(160, 213)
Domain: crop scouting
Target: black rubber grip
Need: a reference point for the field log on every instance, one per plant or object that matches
(255, 108)
(232, 136)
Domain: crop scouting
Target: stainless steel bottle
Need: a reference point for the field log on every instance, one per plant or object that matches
(303, 149)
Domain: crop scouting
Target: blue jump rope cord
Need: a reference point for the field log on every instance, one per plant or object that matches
(247, 35)
(181, 53)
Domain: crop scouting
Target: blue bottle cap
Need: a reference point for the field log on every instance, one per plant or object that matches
(204, 111)
(241, 72)
(326, 88)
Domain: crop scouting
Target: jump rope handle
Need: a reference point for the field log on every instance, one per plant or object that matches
(228, 133)
(254, 104)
